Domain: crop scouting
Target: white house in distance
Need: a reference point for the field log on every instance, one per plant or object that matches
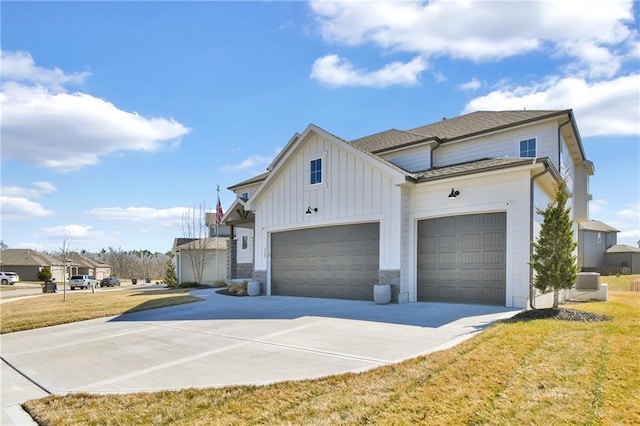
(442, 212)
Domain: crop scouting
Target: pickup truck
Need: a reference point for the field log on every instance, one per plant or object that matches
(83, 281)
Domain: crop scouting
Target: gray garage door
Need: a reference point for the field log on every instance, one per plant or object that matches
(462, 259)
(339, 262)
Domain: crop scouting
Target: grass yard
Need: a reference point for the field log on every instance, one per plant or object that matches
(621, 283)
(527, 372)
(50, 309)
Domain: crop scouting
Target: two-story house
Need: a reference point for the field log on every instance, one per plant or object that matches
(442, 212)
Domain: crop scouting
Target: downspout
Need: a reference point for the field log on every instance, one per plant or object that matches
(438, 143)
(560, 141)
(532, 292)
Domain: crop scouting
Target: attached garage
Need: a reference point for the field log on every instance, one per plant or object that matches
(339, 262)
(462, 259)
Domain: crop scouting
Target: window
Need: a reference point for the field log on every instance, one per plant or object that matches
(245, 242)
(528, 148)
(599, 237)
(245, 196)
(315, 176)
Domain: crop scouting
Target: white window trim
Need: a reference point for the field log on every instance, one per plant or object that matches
(535, 139)
(307, 170)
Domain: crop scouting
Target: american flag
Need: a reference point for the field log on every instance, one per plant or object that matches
(219, 212)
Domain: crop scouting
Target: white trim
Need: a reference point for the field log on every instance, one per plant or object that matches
(323, 171)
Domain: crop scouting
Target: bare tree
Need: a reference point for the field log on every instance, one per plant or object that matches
(122, 263)
(194, 227)
(64, 254)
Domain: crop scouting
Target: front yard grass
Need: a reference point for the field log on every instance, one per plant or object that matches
(50, 309)
(526, 372)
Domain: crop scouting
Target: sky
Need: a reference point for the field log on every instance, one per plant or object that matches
(117, 117)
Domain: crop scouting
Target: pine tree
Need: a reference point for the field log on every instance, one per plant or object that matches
(553, 258)
(170, 277)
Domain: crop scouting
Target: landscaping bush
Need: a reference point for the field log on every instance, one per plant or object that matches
(44, 274)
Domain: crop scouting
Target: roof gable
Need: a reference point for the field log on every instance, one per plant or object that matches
(298, 141)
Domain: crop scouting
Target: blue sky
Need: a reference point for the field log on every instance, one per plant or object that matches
(119, 116)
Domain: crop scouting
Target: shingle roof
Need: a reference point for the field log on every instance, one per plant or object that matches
(387, 139)
(27, 257)
(254, 179)
(596, 225)
(622, 248)
(481, 122)
(454, 128)
(470, 167)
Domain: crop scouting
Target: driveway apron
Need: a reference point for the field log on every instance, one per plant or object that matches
(226, 340)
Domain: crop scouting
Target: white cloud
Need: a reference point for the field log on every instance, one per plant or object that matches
(335, 71)
(169, 217)
(597, 206)
(473, 84)
(247, 163)
(46, 127)
(475, 29)
(70, 232)
(603, 108)
(41, 188)
(20, 66)
(21, 208)
(633, 212)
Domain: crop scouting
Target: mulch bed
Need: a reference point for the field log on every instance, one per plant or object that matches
(561, 314)
(226, 292)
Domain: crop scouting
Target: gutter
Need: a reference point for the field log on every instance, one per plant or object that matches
(532, 293)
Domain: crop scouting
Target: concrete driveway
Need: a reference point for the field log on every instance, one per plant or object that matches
(227, 340)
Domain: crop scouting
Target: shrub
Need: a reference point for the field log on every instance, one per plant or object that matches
(44, 274)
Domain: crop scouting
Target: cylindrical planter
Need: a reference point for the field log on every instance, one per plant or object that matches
(253, 288)
(382, 293)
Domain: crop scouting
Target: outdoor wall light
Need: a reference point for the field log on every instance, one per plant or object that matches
(309, 210)
(453, 194)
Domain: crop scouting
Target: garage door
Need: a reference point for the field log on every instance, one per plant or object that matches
(339, 262)
(462, 259)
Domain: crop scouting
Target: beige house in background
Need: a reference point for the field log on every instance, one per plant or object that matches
(27, 263)
(214, 252)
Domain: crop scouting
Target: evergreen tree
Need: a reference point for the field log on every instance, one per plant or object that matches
(170, 277)
(553, 259)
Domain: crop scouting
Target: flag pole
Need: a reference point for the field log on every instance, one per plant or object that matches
(218, 207)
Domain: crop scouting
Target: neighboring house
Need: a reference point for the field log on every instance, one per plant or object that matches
(595, 238)
(27, 263)
(83, 265)
(212, 252)
(624, 258)
(443, 212)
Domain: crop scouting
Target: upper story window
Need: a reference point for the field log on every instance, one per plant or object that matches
(528, 148)
(245, 242)
(315, 175)
(244, 196)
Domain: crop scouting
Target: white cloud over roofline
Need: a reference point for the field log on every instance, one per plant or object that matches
(602, 108)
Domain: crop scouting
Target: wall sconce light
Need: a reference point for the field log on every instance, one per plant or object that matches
(453, 194)
(309, 210)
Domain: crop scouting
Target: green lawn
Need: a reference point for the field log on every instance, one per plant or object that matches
(544, 372)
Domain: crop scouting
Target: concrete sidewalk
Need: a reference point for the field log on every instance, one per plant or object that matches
(228, 340)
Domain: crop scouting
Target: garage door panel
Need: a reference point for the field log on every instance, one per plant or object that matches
(335, 262)
(462, 259)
